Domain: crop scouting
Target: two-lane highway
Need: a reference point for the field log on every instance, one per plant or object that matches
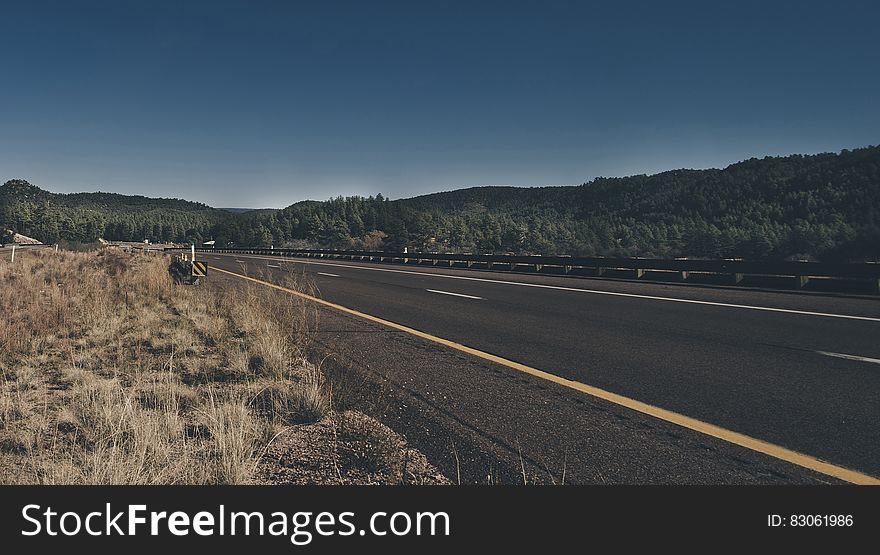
(798, 371)
(6, 250)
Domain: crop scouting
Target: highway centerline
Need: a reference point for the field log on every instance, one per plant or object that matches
(327, 274)
(736, 438)
(454, 294)
(591, 291)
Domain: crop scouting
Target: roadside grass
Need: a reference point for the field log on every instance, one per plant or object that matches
(111, 374)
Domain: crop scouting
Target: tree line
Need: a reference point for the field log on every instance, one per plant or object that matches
(86, 217)
(824, 206)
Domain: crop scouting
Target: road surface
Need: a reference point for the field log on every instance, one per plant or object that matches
(6, 250)
(800, 372)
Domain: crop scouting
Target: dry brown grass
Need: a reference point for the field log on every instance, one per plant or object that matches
(110, 374)
(299, 399)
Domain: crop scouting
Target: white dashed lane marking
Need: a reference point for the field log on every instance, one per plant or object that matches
(454, 294)
(850, 357)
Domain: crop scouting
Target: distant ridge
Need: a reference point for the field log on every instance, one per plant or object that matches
(820, 206)
(245, 210)
(85, 217)
(236, 210)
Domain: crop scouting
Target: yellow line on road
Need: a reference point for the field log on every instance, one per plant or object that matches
(775, 451)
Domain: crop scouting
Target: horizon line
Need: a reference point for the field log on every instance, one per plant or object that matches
(459, 188)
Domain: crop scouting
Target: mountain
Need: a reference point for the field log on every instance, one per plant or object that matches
(825, 206)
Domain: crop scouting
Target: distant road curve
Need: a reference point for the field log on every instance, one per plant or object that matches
(6, 250)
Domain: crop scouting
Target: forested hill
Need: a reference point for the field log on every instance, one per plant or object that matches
(826, 206)
(85, 217)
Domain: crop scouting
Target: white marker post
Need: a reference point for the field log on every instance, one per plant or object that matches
(11, 260)
(193, 253)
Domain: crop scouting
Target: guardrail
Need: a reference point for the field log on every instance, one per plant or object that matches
(731, 272)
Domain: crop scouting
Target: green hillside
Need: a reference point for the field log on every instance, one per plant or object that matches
(825, 206)
(85, 217)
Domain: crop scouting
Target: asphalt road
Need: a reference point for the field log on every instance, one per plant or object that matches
(803, 375)
(6, 251)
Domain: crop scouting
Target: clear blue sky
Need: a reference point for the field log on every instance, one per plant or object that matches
(253, 104)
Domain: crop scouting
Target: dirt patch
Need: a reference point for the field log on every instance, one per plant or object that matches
(344, 448)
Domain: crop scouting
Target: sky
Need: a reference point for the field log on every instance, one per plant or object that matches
(262, 104)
